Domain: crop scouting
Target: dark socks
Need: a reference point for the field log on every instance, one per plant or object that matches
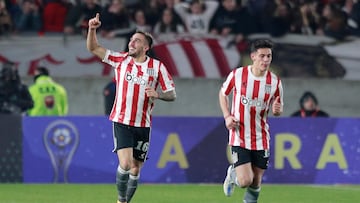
(251, 195)
(132, 186)
(122, 179)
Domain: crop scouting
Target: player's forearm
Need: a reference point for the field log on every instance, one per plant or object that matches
(224, 104)
(91, 40)
(167, 96)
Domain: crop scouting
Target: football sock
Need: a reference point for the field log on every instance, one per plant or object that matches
(251, 195)
(122, 179)
(132, 186)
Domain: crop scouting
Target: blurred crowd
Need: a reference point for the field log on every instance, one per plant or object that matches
(334, 18)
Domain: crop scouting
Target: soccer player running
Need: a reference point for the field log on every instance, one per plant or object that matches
(137, 78)
(255, 89)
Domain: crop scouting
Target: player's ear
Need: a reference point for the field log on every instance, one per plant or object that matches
(146, 48)
(252, 55)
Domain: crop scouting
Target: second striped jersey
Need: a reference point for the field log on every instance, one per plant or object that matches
(251, 100)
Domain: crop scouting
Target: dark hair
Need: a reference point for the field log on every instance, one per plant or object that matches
(148, 37)
(261, 43)
(173, 23)
(42, 71)
(307, 95)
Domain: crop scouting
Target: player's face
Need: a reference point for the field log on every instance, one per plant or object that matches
(262, 59)
(137, 45)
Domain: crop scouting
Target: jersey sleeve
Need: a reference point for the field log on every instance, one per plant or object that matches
(165, 80)
(229, 83)
(113, 58)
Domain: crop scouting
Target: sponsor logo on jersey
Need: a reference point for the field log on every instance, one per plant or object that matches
(134, 79)
(252, 102)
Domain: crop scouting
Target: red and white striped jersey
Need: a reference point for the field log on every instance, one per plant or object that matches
(252, 99)
(132, 106)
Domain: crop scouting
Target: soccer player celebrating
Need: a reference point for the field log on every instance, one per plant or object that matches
(137, 77)
(254, 91)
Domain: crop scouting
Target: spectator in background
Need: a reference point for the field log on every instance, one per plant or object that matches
(14, 96)
(153, 11)
(109, 93)
(354, 19)
(231, 19)
(140, 21)
(309, 17)
(50, 98)
(116, 20)
(76, 21)
(29, 19)
(226, 19)
(196, 15)
(334, 22)
(309, 107)
(5, 19)
(54, 15)
(168, 24)
(277, 18)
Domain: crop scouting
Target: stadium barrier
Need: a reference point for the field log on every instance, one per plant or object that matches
(77, 149)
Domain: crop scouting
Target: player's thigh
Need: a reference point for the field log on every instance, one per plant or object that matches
(258, 174)
(244, 172)
(260, 158)
(240, 156)
(123, 136)
(123, 144)
(242, 162)
(125, 157)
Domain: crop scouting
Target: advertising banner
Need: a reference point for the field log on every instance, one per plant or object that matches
(10, 148)
(190, 150)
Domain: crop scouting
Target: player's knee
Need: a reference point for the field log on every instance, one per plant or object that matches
(135, 171)
(245, 181)
(125, 164)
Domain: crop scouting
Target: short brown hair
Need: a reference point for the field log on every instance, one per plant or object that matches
(148, 37)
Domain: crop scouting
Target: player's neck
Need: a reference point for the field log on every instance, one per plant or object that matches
(257, 72)
(140, 59)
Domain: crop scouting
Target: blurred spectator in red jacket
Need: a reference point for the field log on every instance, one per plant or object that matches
(54, 15)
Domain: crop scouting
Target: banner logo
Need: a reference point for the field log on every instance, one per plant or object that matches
(61, 139)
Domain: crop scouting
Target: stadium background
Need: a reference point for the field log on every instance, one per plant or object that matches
(311, 151)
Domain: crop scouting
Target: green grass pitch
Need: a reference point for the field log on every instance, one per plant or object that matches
(175, 193)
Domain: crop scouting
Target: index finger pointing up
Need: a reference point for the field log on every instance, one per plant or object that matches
(97, 16)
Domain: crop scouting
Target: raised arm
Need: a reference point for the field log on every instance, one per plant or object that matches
(91, 40)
